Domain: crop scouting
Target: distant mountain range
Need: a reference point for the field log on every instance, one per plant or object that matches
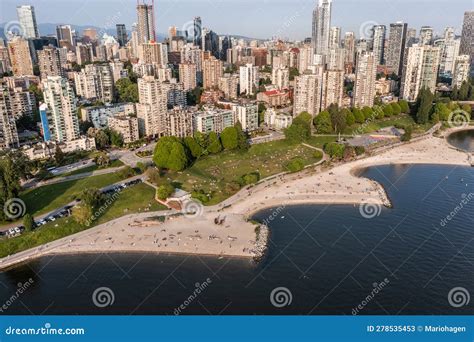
(50, 29)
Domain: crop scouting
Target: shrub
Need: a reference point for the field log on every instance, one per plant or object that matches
(164, 191)
(359, 150)
(295, 165)
(250, 178)
(335, 150)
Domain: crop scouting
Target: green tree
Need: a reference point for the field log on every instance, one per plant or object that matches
(464, 91)
(126, 172)
(300, 129)
(170, 153)
(229, 138)
(338, 120)
(368, 113)
(214, 143)
(92, 197)
(442, 111)
(116, 138)
(194, 147)
(83, 214)
(178, 159)
(28, 222)
(404, 106)
(358, 115)
(350, 119)
(322, 123)
(250, 178)
(397, 110)
(334, 150)
(378, 112)
(242, 137)
(294, 73)
(408, 132)
(127, 90)
(164, 191)
(14, 166)
(387, 110)
(58, 155)
(142, 167)
(424, 106)
(101, 138)
(261, 112)
(467, 108)
(101, 159)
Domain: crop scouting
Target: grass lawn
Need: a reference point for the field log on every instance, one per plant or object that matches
(49, 197)
(114, 163)
(132, 200)
(218, 174)
(320, 141)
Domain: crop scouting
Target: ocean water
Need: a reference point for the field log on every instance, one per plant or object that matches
(415, 258)
(463, 140)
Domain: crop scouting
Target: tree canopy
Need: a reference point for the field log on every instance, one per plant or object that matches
(170, 154)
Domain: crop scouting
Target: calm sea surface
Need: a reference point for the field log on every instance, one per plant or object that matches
(330, 259)
(463, 140)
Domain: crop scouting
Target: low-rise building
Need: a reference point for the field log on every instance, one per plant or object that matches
(99, 115)
(126, 126)
(213, 120)
(47, 150)
(275, 98)
(277, 121)
(180, 122)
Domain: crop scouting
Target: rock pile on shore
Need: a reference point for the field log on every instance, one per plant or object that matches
(261, 242)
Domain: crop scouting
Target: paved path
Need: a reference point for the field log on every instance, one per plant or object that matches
(56, 211)
(73, 177)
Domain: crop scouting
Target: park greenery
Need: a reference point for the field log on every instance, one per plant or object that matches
(213, 177)
(105, 137)
(177, 154)
(137, 199)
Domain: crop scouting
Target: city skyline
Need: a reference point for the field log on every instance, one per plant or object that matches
(283, 18)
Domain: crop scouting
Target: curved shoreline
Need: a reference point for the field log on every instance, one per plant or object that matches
(339, 184)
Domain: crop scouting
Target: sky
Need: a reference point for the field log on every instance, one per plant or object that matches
(252, 18)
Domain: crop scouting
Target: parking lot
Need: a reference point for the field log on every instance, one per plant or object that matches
(66, 211)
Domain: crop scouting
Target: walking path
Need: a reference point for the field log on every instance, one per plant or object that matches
(198, 233)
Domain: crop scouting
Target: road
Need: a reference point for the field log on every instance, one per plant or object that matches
(69, 205)
(130, 157)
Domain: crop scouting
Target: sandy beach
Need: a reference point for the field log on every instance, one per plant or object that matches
(340, 184)
(236, 236)
(193, 234)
